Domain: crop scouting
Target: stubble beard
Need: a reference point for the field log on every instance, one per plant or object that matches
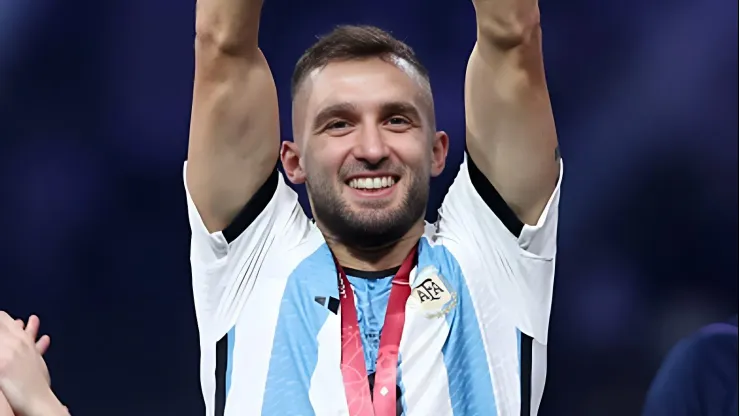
(371, 227)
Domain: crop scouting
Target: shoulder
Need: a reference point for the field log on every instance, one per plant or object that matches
(711, 343)
(707, 351)
(698, 372)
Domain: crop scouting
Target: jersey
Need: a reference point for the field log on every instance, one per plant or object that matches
(475, 334)
(699, 376)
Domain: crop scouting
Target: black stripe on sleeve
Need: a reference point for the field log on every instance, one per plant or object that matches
(222, 356)
(493, 199)
(253, 208)
(525, 377)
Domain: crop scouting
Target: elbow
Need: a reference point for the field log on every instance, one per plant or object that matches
(508, 31)
(219, 33)
(223, 42)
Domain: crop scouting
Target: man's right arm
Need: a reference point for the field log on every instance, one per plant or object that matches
(234, 129)
(240, 210)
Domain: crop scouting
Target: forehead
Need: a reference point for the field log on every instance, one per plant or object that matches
(365, 83)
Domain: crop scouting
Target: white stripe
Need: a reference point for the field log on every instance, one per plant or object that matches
(423, 371)
(208, 377)
(326, 392)
(497, 328)
(539, 372)
(255, 332)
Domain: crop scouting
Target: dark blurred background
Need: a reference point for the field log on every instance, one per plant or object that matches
(94, 112)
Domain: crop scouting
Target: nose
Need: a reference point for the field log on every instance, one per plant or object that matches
(371, 146)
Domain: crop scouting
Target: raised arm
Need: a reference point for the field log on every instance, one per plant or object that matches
(510, 129)
(234, 128)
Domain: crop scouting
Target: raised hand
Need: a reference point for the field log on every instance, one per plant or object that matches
(42, 345)
(32, 329)
(234, 127)
(511, 133)
(24, 377)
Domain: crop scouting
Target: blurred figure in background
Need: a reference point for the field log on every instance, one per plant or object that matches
(699, 377)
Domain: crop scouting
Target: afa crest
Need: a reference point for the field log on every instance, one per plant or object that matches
(434, 294)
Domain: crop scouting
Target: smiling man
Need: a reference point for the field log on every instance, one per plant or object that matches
(369, 310)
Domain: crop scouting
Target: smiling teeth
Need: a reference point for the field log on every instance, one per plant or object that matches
(372, 183)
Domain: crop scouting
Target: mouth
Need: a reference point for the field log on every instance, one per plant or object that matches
(373, 186)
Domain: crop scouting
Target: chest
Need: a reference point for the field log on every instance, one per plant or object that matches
(445, 364)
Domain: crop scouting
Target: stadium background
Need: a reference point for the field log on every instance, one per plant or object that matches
(94, 111)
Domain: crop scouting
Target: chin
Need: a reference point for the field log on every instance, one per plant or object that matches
(374, 209)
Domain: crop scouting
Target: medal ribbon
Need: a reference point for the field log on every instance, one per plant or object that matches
(354, 373)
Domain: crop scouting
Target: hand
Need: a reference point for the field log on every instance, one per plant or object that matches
(24, 377)
(42, 345)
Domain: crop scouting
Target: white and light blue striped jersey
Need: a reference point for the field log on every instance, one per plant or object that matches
(267, 305)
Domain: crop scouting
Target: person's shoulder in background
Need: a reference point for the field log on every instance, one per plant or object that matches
(699, 377)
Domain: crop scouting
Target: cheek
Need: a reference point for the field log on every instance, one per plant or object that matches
(414, 154)
(325, 163)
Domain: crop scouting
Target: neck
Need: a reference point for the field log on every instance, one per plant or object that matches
(379, 258)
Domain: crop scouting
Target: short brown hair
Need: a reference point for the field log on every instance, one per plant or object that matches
(350, 42)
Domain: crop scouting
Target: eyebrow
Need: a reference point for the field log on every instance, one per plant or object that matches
(347, 110)
(403, 108)
(338, 110)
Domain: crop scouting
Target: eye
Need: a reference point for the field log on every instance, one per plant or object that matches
(398, 120)
(338, 124)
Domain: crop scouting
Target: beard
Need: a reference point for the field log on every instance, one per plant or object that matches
(369, 227)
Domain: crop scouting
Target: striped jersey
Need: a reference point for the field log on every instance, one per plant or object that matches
(475, 333)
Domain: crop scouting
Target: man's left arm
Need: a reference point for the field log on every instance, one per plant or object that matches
(500, 216)
(511, 134)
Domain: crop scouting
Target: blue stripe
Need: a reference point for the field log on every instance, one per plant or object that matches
(371, 298)
(230, 358)
(519, 349)
(295, 345)
(468, 375)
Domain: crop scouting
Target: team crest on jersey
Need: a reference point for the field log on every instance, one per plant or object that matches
(434, 294)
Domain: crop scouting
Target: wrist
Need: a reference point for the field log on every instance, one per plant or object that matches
(47, 406)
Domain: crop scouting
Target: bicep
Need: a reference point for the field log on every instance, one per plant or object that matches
(234, 132)
(510, 127)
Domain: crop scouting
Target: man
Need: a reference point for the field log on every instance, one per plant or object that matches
(699, 376)
(370, 311)
(24, 378)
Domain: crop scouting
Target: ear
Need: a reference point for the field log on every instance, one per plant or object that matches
(290, 155)
(440, 146)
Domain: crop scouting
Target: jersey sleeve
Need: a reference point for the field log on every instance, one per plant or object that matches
(503, 260)
(226, 264)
